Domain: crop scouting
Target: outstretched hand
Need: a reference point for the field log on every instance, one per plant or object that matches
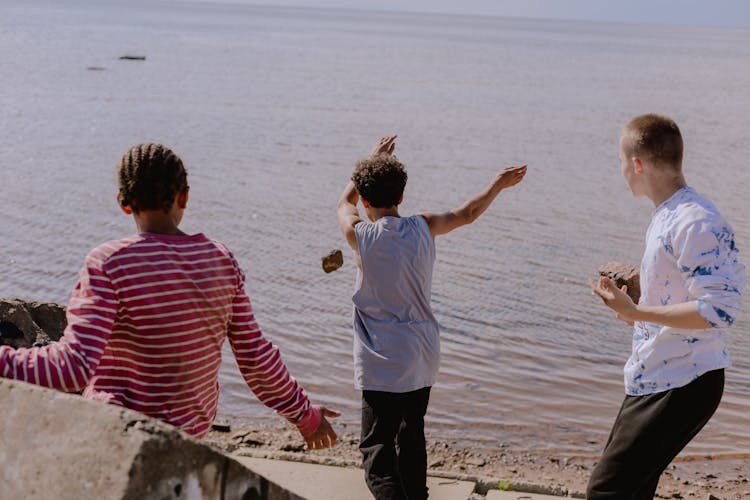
(384, 146)
(510, 176)
(615, 298)
(324, 436)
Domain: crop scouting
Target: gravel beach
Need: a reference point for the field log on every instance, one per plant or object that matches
(717, 478)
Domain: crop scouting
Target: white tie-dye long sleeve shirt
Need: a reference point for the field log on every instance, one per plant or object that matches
(690, 256)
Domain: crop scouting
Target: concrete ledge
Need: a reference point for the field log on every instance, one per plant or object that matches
(58, 445)
(324, 482)
(515, 495)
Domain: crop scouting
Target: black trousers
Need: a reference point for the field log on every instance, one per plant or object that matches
(648, 433)
(394, 456)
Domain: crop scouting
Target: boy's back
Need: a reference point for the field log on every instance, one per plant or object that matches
(397, 343)
(149, 314)
(396, 338)
(168, 299)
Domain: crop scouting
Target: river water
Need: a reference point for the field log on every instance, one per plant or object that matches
(271, 107)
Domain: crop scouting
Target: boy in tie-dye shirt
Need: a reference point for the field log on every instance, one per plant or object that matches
(691, 284)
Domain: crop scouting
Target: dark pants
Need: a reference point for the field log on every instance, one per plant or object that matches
(392, 444)
(648, 433)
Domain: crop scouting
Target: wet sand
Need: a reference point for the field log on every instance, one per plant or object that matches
(723, 478)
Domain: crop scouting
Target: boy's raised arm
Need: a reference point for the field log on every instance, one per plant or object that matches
(346, 209)
(441, 223)
(348, 215)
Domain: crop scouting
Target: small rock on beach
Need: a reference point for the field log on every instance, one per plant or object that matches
(23, 323)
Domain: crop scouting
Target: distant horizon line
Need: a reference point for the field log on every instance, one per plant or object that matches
(375, 9)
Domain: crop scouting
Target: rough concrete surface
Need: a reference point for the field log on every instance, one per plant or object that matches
(514, 495)
(322, 482)
(61, 446)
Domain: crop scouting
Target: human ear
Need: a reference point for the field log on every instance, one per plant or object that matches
(125, 208)
(637, 165)
(182, 198)
(400, 200)
(365, 203)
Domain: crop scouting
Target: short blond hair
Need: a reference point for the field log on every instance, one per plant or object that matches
(655, 138)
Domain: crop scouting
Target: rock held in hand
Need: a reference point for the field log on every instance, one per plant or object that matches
(333, 260)
(623, 274)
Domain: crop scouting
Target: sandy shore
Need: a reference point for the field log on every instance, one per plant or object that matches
(724, 478)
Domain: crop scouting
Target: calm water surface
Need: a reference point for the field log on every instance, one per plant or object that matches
(270, 108)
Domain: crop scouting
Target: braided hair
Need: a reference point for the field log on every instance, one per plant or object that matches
(149, 177)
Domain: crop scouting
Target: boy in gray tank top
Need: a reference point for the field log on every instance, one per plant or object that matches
(396, 337)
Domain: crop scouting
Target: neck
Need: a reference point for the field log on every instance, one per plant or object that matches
(664, 190)
(156, 221)
(377, 213)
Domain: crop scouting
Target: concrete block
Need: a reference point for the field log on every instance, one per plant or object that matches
(61, 446)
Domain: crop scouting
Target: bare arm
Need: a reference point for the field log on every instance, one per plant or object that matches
(348, 215)
(471, 209)
(346, 210)
(683, 315)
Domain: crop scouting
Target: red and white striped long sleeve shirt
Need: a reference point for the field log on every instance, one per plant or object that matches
(146, 322)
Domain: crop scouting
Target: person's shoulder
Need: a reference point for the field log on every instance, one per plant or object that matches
(695, 209)
(223, 250)
(109, 249)
(221, 247)
(366, 228)
(140, 246)
(697, 221)
(420, 222)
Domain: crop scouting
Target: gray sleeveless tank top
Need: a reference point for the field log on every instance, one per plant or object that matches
(396, 337)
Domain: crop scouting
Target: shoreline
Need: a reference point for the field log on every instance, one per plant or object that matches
(488, 464)
(529, 472)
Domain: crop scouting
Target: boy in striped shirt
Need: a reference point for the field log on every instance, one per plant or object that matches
(150, 313)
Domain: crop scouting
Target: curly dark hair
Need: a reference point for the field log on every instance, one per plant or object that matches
(149, 177)
(380, 180)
